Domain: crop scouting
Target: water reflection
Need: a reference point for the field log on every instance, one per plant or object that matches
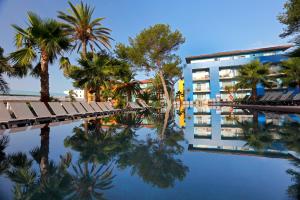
(150, 146)
(243, 132)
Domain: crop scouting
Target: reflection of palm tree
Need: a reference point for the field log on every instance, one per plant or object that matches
(3, 158)
(294, 189)
(96, 146)
(89, 182)
(30, 185)
(289, 133)
(258, 137)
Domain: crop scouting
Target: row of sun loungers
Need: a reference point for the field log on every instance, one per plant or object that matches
(275, 98)
(21, 113)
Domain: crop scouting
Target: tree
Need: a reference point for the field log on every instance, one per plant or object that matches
(95, 71)
(252, 74)
(84, 30)
(291, 18)
(42, 40)
(4, 66)
(128, 86)
(291, 69)
(153, 50)
(72, 95)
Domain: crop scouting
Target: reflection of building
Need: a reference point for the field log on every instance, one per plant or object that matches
(217, 130)
(206, 76)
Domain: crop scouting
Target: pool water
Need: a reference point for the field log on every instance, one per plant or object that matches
(188, 153)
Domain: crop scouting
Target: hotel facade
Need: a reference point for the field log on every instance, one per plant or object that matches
(206, 76)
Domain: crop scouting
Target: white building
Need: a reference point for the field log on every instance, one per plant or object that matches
(79, 93)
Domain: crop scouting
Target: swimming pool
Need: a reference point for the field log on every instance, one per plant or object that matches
(191, 153)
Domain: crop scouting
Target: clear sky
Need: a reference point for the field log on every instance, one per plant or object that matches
(208, 25)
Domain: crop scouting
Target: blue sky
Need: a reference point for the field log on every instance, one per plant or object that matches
(208, 25)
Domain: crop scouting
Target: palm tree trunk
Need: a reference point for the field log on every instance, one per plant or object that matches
(44, 78)
(254, 95)
(129, 98)
(97, 96)
(44, 163)
(166, 93)
(84, 54)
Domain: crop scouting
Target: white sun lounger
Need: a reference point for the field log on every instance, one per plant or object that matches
(6, 119)
(41, 111)
(104, 108)
(110, 107)
(70, 109)
(81, 109)
(58, 110)
(88, 107)
(22, 111)
(96, 108)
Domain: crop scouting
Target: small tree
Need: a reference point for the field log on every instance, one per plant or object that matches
(291, 69)
(95, 71)
(252, 74)
(152, 50)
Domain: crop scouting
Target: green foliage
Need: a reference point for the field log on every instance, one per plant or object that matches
(40, 35)
(291, 69)
(251, 74)
(154, 50)
(128, 87)
(4, 67)
(291, 18)
(38, 45)
(95, 71)
(72, 95)
(84, 30)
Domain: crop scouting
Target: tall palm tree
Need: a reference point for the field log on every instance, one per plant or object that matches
(42, 41)
(84, 30)
(252, 74)
(291, 69)
(128, 87)
(95, 71)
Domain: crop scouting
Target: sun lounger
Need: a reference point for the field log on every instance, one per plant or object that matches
(81, 109)
(96, 108)
(59, 111)
(41, 110)
(6, 119)
(285, 98)
(22, 111)
(104, 108)
(296, 99)
(110, 107)
(70, 109)
(89, 108)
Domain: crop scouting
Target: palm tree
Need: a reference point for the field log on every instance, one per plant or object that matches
(252, 74)
(84, 30)
(291, 69)
(4, 67)
(95, 71)
(43, 40)
(128, 87)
